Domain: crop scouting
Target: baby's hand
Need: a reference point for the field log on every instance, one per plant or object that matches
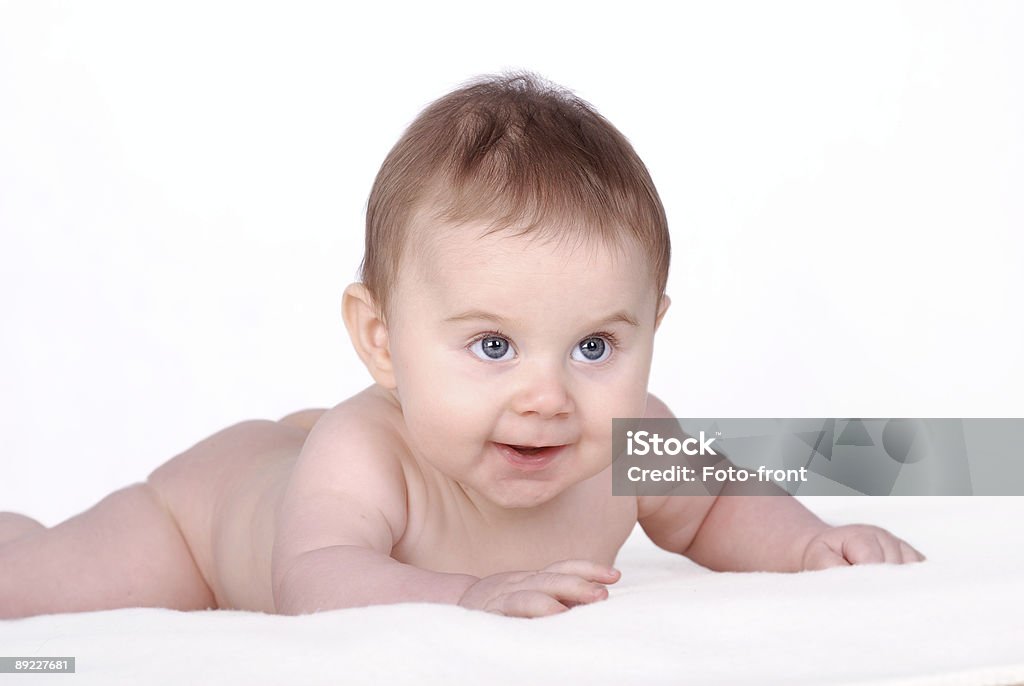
(856, 544)
(549, 591)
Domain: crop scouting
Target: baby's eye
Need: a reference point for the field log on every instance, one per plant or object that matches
(491, 347)
(593, 349)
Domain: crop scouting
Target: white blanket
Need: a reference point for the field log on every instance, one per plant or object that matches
(957, 618)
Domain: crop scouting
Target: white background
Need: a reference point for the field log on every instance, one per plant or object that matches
(182, 191)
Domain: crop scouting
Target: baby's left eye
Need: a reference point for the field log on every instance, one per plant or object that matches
(593, 349)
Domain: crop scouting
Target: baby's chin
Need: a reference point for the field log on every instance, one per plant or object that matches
(524, 501)
(523, 494)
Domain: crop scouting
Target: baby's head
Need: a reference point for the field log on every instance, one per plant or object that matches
(516, 260)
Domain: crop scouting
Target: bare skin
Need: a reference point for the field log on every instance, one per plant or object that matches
(408, 490)
(199, 532)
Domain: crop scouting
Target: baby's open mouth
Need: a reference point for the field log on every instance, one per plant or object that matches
(533, 454)
(528, 450)
(530, 457)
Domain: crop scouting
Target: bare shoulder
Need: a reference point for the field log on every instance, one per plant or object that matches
(368, 415)
(347, 486)
(648, 504)
(671, 522)
(656, 408)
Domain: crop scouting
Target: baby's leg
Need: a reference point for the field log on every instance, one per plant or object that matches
(126, 551)
(14, 525)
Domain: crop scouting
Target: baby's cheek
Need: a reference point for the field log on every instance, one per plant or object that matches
(445, 419)
(624, 400)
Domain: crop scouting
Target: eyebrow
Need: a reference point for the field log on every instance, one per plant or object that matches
(474, 315)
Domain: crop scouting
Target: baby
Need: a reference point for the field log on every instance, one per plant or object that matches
(516, 260)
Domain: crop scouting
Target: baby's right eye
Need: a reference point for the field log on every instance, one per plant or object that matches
(491, 347)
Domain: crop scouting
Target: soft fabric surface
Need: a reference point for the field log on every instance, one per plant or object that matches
(957, 618)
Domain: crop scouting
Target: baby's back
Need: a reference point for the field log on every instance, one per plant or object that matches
(223, 493)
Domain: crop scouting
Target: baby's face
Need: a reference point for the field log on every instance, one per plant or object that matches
(511, 340)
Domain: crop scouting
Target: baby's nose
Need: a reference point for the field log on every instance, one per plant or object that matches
(544, 393)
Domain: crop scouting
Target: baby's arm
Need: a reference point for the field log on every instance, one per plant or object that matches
(775, 533)
(760, 533)
(342, 512)
(732, 533)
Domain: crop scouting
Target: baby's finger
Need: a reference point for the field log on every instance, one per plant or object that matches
(863, 550)
(910, 554)
(820, 556)
(891, 550)
(525, 604)
(586, 569)
(566, 587)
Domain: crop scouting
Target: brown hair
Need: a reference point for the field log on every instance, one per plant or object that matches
(519, 152)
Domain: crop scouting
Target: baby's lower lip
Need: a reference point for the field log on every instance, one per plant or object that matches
(530, 462)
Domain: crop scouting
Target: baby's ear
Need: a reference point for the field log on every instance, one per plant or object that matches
(368, 332)
(662, 309)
